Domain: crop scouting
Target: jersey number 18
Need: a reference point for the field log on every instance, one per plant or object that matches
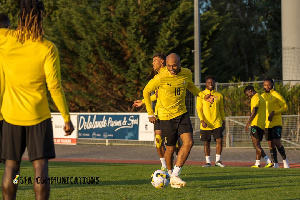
(177, 91)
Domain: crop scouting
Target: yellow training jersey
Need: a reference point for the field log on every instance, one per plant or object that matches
(154, 97)
(27, 68)
(171, 93)
(275, 102)
(212, 114)
(260, 117)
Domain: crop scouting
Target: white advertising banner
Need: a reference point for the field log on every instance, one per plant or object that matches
(146, 128)
(58, 132)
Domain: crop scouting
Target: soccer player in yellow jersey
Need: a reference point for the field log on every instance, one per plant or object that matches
(174, 119)
(257, 123)
(275, 106)
(4, 23)
(29, 62)
(212, 118)
(158, 64)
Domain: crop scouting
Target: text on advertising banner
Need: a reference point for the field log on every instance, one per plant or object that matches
(96, 126)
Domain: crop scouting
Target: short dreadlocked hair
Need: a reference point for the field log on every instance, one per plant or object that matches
(248, 87)
(30, 24)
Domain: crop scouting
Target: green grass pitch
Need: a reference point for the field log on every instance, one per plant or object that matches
(132, 181)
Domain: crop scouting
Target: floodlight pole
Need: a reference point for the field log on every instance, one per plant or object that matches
(197, 54)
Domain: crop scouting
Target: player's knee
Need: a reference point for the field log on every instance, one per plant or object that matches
(189, 143)
(158, 141)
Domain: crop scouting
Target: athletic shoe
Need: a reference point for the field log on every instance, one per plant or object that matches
(219, 164)
(207, 165)
(164, 169)
(286, 164)
(255, 166)
(269, 165)
(176, 182)
(276, 165)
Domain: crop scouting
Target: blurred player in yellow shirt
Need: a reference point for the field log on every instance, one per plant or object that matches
(212, 118)
(159, 62)
(174, 119)
(30, 62)
(257, 123)
(276, 105)
(4, 23)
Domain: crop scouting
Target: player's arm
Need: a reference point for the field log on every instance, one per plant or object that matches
(222, 112)
(283, 106)
(252, 116)
(193, 89)
(139, 103)
(254, 104)
(199, 108)
(53, 79)
(150, 87)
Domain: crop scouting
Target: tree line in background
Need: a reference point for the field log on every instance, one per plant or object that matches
(106, 46)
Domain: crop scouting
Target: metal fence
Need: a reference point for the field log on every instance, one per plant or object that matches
(237, 110)
(237, 104)
(236, 136)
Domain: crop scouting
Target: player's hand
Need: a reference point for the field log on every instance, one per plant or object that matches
(137, 103)
(68, 128)
(271, 116)
(209, 98)
(204, 125)
(152, 120)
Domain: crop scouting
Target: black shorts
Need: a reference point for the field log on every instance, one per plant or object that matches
(205, 135)
(1, 123)
(273, 133)
(257, 132)
(38, 139)
(157, 125)
(173, 128)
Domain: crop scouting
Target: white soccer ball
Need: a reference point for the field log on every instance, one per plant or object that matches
(160, 179)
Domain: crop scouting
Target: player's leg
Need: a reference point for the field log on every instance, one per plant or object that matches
(170, 140)
(168, 157)
(256, 137)
(13, 147)
(205, 136)
(185, 131)
(41, 184)
(272, 147)
(218, 136)
(40, 148)
(9, 187)
(159, 143)
(277, 142)
(187, 143)
(178, 146)
(257, 153)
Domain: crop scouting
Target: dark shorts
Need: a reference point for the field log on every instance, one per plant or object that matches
(172, 129)
(257, 132)
(37, 138)
(205, 135)
(1, 123)
(157, 125)
(273, 133)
